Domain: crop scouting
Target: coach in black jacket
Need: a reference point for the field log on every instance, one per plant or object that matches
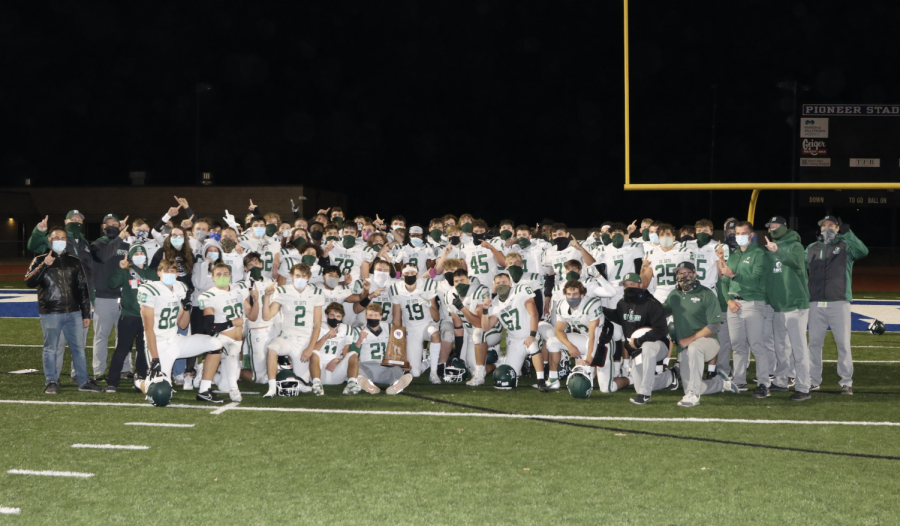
(64, 303)
(637, 310)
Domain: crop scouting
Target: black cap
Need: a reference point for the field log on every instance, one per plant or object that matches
(830, 218)
(731, 225)
(776, 219)
(686, 265)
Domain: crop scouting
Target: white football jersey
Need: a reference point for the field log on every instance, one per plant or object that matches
(266, 246)
(663, 265)
(415, 304)
(554, 260)
(579, 318)
(166, 305)
(351, 259)
(473, 300)
(261, 287)
(383, 298)
(287, 263)
(235, 262)
(707, 270)
(415, 255)
(298, 309)
(482, 265)
(532, 280)
(532, 257)
(227, 304)
(334, 347)
(513, 313)
(374, 345)
(620, 261)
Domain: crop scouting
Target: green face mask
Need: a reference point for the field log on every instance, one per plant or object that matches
(308, 260)
(618, 240)
(645, 234)
(778, 233)
(435, 235)
(462, 289)
(256, 273)
(331, 238)
(378, 247)
(702, 239)
(505, 234)
(297, 242)
(524, 242)
(73, 229)
(270, 230)
(466, 228)
(349, 241)
(222, 281)
(572, 276)
(339, 221)
(605, 238)
(515, 272)
(503, 292)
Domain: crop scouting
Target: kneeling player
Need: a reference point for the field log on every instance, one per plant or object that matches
(165, 308)
(224, 307)
(515, 308)
(415, 308)
(301, 308)
(370, 343)
(464, 305)
(332, 351)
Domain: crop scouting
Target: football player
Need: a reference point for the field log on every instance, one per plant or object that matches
(256, 240)
(332, 351)
(415, 308)
(232, 253)
(258, 331)
(416, 251)
(300, 305)
(464, 304)
(345, 291)
(224, 309)
(658, 268)
(345, 253)
(379, 282)
(370, 342)
(165, 308)
(514, 307)
(650, 235)
(482, 258)
(565, 249)
(310, 255)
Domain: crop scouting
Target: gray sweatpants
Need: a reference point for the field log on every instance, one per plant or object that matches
(106, 318)
(837, 315)
(747, 329)
(379, 374)
(769, 335)
(692, 359)
(791, 348)
(723, 363)
(644, 373)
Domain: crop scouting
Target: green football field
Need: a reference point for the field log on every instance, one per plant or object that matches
(451, 454)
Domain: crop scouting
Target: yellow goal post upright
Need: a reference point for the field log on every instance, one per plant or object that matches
(754, 187)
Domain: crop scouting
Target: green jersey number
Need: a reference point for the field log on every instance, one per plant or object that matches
(168, 318)
(560, 269)
(299, 320)
(414, 261)
(618, 263)
(701, 269)
(331, 347)
(511, 320)
(414, 312)
(663, 271)
(344, 264)
(233, 311)
(479, 264)
(269, 258)
(377, 350)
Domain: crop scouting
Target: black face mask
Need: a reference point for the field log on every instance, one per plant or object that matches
(633, 294)
(410, 280)
(316, 235)
(111, 231)
(686, 237)
(478, 238)
(561, 243)
(731, 241)
(454, 240)
(333, 322)
(373, 323)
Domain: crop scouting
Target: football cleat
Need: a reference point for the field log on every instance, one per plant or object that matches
(689, 400)
(351, 388)
(434, 378)
(728, 385)
(271, 392)
(640, 399)
(553, 384)
(675, 372)
(476, 380)
(208, 396)
(188, 382)
(317, 388)
(367, 385)
(401, 384)
(235, 395)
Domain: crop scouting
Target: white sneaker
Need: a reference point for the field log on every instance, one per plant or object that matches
(235, 395)
(476, 381)
(179, 379)
(367, 385)
(271, 392)
(188, 383)
(352, 388)
(689, 400)
(434, 378)
(401, 384)
(318, 389)
(553, 384)
(198, 376)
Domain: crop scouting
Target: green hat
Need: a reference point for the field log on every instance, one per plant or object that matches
(136, 248)
(634, 277)
(108, 217)
(74, 213)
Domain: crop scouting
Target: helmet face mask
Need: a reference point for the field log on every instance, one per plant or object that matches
(505, 378)
(159, 391)
(565, 366)
(456, 371)
(287, 383)
(491, 357)
(877, 327)
(579, 383)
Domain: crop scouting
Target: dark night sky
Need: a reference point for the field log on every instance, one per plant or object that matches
(497, 108)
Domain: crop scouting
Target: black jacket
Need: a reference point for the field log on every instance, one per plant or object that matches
(62, 287)
(641, 311)
(107, 253)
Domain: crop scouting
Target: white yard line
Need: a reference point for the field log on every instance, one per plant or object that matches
(107, 446)
(224, 408)
(9, 511)
(50, 473)
(156, 424)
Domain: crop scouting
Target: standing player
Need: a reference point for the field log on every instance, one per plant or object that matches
(258, 241)
(516, 310)
(415, 307)
(301, 310)
(565, 249)
(658, 268)
(258, 331)
(165, 308)
(224, 308)
(346, 253)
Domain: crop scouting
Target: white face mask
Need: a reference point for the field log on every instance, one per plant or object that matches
(300, 283)
(654, 238)
(666, 242)
(331, 282)
(381, 278)
(139, 260)
(742, 239)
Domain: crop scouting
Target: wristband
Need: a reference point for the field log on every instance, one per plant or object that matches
(534, 334)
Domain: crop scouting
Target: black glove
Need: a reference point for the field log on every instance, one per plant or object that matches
(186, 303)
(457, 302)
(155, 369)
(844, 228)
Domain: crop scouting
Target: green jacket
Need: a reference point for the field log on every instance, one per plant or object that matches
(748, 282)
(129, 280)
(831, 267)
(692, 311)
(785, 274)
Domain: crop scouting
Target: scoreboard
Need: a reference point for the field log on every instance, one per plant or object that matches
(842, 143)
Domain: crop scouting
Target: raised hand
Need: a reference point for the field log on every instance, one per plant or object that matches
(270, 289)
(770, 245)
(252, 207)
(173, 211)
(720, 252)
(123, 225)
(124, 263)
(632, 227)
(182, 202)
(42, 226)
(323, 211)
(49, 259)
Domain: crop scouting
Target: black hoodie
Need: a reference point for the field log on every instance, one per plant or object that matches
(640, 309)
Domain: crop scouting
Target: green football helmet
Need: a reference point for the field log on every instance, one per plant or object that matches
(505, 377)
(456, 371)
(877, 327)
(492, 357)
(287, 383)
(159, 391)
(579, 382)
